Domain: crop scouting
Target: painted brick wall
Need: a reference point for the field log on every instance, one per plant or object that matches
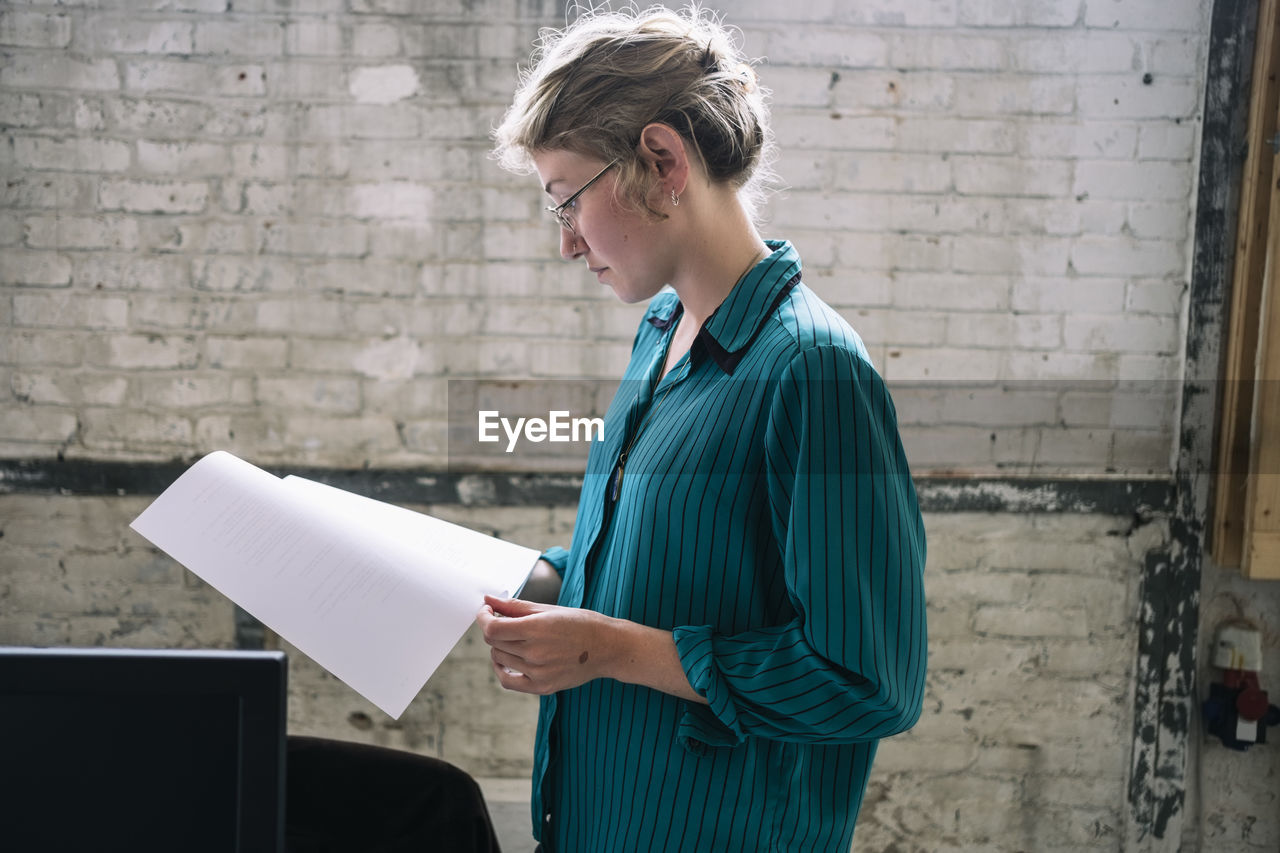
(1023, 744)
(273, 228)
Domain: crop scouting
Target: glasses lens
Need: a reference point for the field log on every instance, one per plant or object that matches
(562, 219)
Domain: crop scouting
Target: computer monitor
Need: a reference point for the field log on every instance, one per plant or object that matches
(115, 750)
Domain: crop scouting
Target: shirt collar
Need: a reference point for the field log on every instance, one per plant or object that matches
(728, 333)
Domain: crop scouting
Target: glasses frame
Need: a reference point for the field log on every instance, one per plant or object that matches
(558, 211)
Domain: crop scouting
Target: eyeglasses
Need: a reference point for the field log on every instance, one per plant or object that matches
(561, 211)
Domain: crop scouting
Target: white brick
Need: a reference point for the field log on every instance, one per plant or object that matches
(240, 352)
(313, 435)
(1135, 333)
(443, 39)
(361, 121)
(842, 47)
(1097, 140)
(296, 238)
(890, 13)
(1008, 176)
(256, 38)
(1090, 52)
(41, 71)
(42, 269)
(319, 394)
(943, 215)
(188, 391)
(102, 34)
(60, 191)
(941, 291)
(1176, 56)
(37, 424)
(96, 155)
(1018, 13)
(988, 94)
(40, 348)
(382, 84)
(244, 274)
(1158, 296)
(194, 78)
(1023, 255)
(261, 160)
(397, 200)
(1082, 295)
(381, 40)
(1144, 14)
(115, 429)
(143, 352)
(34, 29)
(108, 271)
(81, 232)
(1063, 217)
(936, 363)
(1124, 256)
(379, 278)
(183, 158)
(905, 173)
(151, 312)
(862, 90)
(153, 197)
(826, 130)
(1166, 141)
(1146, 181)
(69, 310)
(1163, 220)
(314, 38)
(943, 134)
(257, 199)
(1127, 97)
(946, 52)
(69, 389)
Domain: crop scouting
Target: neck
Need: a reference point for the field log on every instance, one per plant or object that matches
(720, 246)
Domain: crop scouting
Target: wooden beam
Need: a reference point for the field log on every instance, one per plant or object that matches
(1240, 356)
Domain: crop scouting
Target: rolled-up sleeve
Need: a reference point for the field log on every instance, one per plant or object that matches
(850, 665)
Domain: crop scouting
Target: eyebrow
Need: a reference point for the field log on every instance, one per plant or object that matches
(547, 187)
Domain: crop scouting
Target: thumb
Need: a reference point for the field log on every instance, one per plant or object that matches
(512, 607)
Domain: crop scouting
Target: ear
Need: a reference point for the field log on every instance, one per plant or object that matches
(663, 151)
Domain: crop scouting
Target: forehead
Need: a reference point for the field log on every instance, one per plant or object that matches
(562, 170)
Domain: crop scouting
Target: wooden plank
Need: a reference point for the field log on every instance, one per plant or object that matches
(1262, 498)
(1264, 556)
(1239, 357)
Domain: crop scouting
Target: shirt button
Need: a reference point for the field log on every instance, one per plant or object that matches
(548, 817)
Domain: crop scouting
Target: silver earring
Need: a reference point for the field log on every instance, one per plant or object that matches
(675, 199)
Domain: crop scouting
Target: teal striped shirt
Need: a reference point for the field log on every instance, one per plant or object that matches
(764, 514)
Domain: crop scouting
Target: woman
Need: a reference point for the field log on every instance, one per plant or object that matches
(740, 613)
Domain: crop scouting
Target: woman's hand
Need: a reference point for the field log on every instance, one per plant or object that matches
(543, 648)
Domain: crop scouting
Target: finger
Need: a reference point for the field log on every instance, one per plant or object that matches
(513, 680)
(508, 661)
(512, 607)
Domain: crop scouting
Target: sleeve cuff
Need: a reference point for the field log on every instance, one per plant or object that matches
(558, 558)
(715, 724)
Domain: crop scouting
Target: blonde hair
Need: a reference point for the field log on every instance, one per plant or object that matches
(593, 87)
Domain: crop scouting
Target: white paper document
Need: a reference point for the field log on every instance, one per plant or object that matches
(375, 593)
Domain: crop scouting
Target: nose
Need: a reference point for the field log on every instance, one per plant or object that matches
(570, 244)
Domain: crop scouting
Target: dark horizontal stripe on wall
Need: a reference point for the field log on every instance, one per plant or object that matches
(1109, 496)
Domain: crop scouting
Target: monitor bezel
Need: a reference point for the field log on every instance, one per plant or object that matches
(258, 678)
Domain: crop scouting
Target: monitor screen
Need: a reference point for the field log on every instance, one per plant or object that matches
(113, 749)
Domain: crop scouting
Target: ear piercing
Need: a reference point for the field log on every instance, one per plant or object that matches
(675, 199)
